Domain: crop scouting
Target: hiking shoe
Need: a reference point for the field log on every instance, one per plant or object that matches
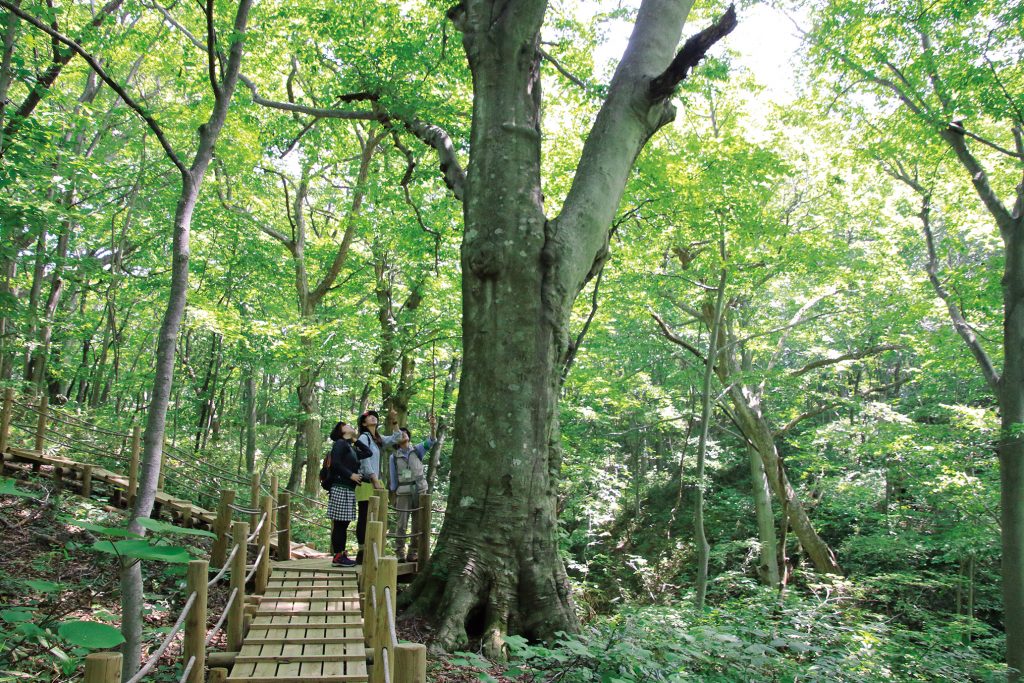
(337, 561)
(346, 561)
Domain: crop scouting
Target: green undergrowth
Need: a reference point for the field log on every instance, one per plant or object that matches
(822, 635)
(59, 596)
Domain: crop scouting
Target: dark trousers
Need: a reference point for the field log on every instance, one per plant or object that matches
(363, 513)
(339, 536)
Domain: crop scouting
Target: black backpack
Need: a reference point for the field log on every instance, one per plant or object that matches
(326, 480)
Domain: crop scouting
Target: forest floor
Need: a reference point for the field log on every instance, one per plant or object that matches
(49, 572)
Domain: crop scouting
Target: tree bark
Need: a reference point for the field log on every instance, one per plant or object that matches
(496, 569)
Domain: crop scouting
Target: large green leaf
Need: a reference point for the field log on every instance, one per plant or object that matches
(156, 526)
(43, 586)
(7, 488)
(90, 634)
(143, 550)
(15, 616)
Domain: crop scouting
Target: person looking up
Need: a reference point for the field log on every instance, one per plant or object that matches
(406, 480)
(344, 477)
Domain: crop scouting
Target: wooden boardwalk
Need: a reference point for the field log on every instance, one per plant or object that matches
(308, 627)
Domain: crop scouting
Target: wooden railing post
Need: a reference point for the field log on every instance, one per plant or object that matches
(284, 527)
(195, 624)
(263, 571)
(381, 500)
(221, 526)
(423, 542)
(44, 407)
(103, 667)
(133, 466)
(239, 533)
(5, 418)
(163, 467)
(383, 649)
(371, 561)
(254, 500)
(410, 663)
(86, 481)
(273, 501)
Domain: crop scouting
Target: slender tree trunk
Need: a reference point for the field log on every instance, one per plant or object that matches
(442, 424)
(706, 400)
(249, 393)
(153, 438)
(768, 568)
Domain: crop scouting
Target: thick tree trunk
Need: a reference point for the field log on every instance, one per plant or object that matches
(496, 568)
(1011, 448)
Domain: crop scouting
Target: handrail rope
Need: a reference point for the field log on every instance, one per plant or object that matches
(394, 508)
(311, 522)
(404, 535)
(224, 569)
(385, 668)
(391, 616)
(52, 414)
(255, 565)
(256, 531)
(243, 510)
(151, 662)
(220, 622)
(173, 451)
(175, 454)
(93, 451)
(188, 669)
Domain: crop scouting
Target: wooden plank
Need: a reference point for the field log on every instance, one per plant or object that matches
(322, 640)
(288, 659)
(279, 626)
(309, 612)
(343, 678)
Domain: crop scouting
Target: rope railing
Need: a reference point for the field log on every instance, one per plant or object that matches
(223, 617)
(255, 566)
(155, 657)
(188, 669)
(224, 569)
(255, 532)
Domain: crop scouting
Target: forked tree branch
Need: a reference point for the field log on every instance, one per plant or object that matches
(693, 50)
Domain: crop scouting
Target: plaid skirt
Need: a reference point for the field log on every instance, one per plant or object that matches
(341, 505)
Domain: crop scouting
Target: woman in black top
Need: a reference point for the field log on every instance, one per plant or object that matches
(341, 506)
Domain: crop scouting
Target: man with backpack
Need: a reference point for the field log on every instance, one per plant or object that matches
(406, 480)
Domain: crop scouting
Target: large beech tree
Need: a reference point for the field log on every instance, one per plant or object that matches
(496, 566)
